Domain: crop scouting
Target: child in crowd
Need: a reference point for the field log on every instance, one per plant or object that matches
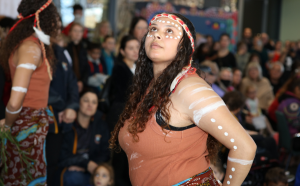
(103, 175)
(259, 120)
(98, 69)
(109, 45)
(218, 169)
(276, 177)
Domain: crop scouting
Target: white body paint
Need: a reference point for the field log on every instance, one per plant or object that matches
(230, 176)
(19, 89)
(200, 90)
(220, 127)
(187, 86)
(212, 120)
(233, 169)
(27, 66)
(242, 162)
(14, 112)
(201, 100)
(198, 114)
(134, 155)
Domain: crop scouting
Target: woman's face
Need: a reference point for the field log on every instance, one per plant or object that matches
(104, 29)
(140, 29)
(162, 40)
(253, 73)
(237, 77)
(278, 45)
(224, 42)
(76, 33)
(88, 104)
(131, 51)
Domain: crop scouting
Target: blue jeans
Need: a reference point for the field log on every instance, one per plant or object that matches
(75, 178)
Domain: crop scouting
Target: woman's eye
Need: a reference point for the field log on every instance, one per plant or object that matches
(169, 31)
(153, 29)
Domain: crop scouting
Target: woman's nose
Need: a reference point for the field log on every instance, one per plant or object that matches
(157, 36)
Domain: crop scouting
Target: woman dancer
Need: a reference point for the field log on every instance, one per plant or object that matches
(29, 62)
(155, 130)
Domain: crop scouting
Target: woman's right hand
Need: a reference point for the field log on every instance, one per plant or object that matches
(76, 168)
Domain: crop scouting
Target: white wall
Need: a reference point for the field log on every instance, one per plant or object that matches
(290, 24)
(9, 8)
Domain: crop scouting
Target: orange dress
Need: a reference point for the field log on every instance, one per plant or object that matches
(157, 159)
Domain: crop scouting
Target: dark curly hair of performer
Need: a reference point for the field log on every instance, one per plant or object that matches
(48, 22)
(159, 90)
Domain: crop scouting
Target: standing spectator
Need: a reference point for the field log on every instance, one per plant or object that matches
(63, 101)
(78, 18)
(266, 42)
(247, 37)
(242, 56)
(102, 30)
(277, 53)
(264, 89)
(138, 28)
(225, 80)
(262, 53)
(107, 57)
(201, 53)
(275, 72)
(225, 57)
(121, 81)
(85, 146)
(236, 78)
(97, 75)
(79, 55)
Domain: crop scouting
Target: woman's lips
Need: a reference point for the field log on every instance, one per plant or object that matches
(155, 45)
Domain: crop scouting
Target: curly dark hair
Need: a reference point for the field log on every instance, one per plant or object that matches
(48, 22)
(158, 95)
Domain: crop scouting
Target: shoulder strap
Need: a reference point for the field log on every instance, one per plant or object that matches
(180, 77)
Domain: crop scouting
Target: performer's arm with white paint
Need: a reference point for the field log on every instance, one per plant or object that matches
(28, 59)
(208, 111)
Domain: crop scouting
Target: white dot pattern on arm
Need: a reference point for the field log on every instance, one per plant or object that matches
(233, 169)
(232, 140)
(220, 127)
(212, 120)
(226, 133)
(230, 176)
(235, 147)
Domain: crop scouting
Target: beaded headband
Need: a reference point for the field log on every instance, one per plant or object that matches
(178, 20)
(41, 35)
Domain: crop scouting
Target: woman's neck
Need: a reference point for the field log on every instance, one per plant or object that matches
(223, 52)
(128, 62)
(84, 121)
(76, 42)
(158, 68)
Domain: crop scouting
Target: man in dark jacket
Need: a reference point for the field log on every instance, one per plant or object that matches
(64, 103)
(96, 150)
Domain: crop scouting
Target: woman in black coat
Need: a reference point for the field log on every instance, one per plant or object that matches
(122, 76)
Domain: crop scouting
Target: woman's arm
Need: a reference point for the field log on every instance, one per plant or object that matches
(195, 98)
(28, 59)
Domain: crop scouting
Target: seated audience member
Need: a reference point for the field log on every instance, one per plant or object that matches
(276, 70)
(247, 37)
(211, 72)
(63, 102)
(78, 14)
(85, 146)
(201, 53)
(259, 120)
(277, 54)
(218, 169)
(138, 28)
(225, 57)
(78, 54)
(107, 57)
(276, 177)
(225, 80)
(261, 52)
(103, 175)
(237, 78)
(121, 80)
(235, 102)
(97, 68)
(264, 89)
(242, 56)
(266, 42)
(289, 104)
(102, 30)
